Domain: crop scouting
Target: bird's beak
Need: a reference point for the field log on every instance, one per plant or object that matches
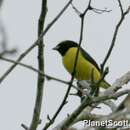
(55, 48)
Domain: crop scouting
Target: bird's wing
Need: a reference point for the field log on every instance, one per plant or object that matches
(89, 58)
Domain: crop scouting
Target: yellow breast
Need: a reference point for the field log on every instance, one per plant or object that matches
(84, 68)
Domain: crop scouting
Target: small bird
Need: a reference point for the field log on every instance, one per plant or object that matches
(86, 67)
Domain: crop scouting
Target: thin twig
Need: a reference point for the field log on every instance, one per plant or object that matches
(38, 71)
(76, 10)
(36, 42)
(24, 126)
(100, 11)
(123, 14)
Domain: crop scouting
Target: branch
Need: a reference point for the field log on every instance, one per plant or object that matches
(40, 83)
(24, 126)
(118, 116)
(36, 42)
(85, 86)
(87, 115)
(125, 102)
(48, 77)
(123, 14)
(100, 11)
(89, 102)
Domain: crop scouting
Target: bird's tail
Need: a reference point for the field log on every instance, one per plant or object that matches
(105, 84)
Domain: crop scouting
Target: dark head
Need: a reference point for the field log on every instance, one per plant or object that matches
(64, 46)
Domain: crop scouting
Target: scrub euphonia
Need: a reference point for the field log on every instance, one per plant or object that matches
(86, 65)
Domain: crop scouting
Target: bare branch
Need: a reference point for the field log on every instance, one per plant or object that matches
(24, 126)
(100, 11)
(40, 82)
(114, 35)
(48, 77)
(76, 10)
(36, 42)
(88, 102)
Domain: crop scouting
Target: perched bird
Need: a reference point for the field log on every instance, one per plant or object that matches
(86, 67)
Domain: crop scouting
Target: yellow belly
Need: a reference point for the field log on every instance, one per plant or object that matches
(84, 68)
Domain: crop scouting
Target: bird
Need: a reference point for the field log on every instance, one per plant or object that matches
(86, 67)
